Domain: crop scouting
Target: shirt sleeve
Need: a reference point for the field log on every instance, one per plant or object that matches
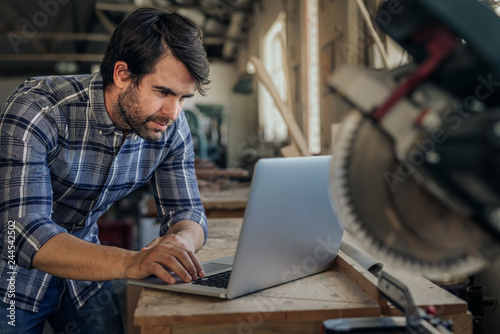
(27, 136)
(174, 183)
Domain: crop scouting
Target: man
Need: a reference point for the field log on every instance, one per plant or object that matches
(71, 147)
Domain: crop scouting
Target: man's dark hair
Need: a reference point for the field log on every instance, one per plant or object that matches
(149, 34)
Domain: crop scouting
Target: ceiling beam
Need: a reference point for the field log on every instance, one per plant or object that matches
(105, 21)
(214, 9)
(52, 57)
(60, 36)
(219, 39)
(13, 10)
(99, 37)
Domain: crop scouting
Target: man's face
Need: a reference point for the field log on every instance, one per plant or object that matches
(157, 101)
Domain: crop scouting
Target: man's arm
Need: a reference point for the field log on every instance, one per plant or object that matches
(69, 257)
(175, 185)
(29, 134)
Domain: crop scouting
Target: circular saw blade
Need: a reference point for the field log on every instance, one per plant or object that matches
(398, 220)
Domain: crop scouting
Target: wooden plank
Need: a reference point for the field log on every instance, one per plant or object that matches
(462, 323)
(290, 151)
(133, 294)
(424, 292)
(359, 276)
(211, 173)
(293, 128)
(354, 36)
(217, 202)
(253, 325)
(345, 291)
(219, 213)
(156, 330)
(37, 57)
(225, 199)
(315, 298)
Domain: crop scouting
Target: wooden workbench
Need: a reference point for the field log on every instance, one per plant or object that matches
(225, 203)
(218, 202)
(297, 307)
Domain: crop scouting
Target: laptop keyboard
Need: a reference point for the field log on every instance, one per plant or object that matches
(219, 280)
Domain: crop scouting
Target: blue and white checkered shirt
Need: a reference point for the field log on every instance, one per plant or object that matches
(63, 164)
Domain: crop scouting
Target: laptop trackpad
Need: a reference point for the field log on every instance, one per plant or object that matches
(212, 266)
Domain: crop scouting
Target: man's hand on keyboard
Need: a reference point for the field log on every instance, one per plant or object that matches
(172, 252)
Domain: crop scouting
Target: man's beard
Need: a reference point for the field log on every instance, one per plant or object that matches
(129, 111)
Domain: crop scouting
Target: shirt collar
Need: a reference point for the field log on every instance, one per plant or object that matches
(98, 107)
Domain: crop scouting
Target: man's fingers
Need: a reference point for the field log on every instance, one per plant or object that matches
(197, 264)
(180, 261)
(174, 259)
(166, 267)
(184, 254)
(160, 272)
(192, 265)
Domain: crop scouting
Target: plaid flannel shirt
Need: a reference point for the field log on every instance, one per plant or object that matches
(63, 164)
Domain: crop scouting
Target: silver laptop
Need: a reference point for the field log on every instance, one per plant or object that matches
(289, 231)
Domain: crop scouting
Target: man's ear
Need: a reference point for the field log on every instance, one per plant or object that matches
(121, 74)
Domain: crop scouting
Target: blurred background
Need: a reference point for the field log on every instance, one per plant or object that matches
(270, 60)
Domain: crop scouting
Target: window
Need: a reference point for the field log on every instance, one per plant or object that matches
(271, 122)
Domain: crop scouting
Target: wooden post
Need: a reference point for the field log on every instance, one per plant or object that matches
(293, 128)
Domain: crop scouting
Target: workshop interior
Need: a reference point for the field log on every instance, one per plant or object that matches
(403, 94)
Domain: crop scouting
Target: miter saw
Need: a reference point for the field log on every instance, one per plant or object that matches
(416, 173)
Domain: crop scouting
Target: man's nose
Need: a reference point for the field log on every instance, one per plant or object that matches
(171, 108)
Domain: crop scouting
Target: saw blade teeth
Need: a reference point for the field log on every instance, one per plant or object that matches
(345, 202)
(345, 208)
(339, 175)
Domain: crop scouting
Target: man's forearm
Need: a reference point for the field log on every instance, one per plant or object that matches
(66, 256)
